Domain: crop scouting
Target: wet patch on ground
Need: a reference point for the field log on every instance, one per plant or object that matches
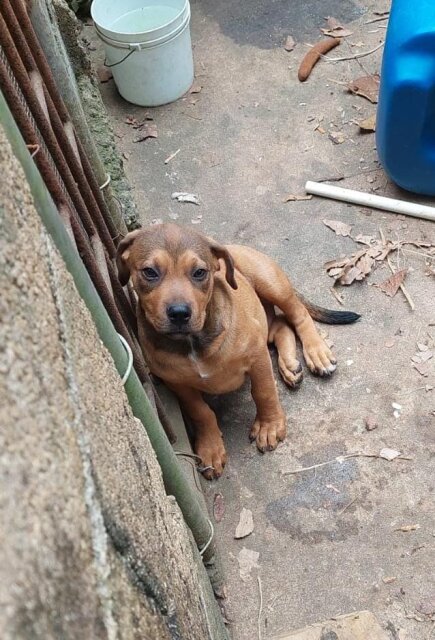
(266, 24)
(314, 509)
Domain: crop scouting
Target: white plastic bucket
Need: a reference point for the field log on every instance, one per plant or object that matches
(148, 47)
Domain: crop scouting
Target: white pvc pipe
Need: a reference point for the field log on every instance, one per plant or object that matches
(371, 200)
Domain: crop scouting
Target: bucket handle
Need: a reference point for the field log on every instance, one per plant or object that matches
(109, 66)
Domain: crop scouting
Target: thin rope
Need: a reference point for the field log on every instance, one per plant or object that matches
(104, 185)
(208, 543)
(130, 359)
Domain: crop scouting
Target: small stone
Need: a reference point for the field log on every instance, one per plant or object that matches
(371, 423)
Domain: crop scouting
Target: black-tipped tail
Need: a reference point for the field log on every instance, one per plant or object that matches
(329, 316)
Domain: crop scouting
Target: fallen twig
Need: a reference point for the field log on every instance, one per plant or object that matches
(402, 287)
(341, 459)
(337, 296)
(340, 513)
(172, 156)
(378, 19)
(260, 610)
(189, 115)
(354, 56)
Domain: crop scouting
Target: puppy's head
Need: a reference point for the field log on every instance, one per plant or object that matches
(172, 270)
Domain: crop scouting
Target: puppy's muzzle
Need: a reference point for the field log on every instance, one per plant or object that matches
(179, 315)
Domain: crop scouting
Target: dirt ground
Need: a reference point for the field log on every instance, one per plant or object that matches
(329, 540)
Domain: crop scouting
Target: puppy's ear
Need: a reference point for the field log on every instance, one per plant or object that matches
(219, 251)
(122, 255)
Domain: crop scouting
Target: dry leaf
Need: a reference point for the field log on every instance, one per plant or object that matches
(333, 264)
(246, 524)
(134, 122)
(340, 228)
(389, 454)
(423, 369)
(364, 239)
(337, 137)
(247, 560)
(369, 124)
(426, 355)
(289, 44)
(392, 284)
(422, 356)
(333, 23)
(370, 422)
(340, 32)
(350, 274)
(337, 271)
(218, 507)
(148, 130)
(366, 86)
(335, 29)
(293, 198)
(183, 196)
(365, 264)
(408, 527)
(104, 74)
(427, 606)
(195, 88)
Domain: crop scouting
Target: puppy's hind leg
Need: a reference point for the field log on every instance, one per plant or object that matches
(274, 288)
(284, 339)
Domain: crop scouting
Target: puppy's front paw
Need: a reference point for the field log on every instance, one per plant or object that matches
(320, 359)
(210, 448)
(267, 433)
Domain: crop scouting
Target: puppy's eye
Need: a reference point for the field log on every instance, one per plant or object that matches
(199, 274)
(150, 274)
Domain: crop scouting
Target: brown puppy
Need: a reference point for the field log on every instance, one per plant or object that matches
(206, 313)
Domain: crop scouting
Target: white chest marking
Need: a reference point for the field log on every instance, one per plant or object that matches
(199, 366)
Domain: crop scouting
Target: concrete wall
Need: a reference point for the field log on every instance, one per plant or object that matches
(91, 547)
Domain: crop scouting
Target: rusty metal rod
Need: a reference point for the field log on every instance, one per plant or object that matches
(35, 60)
(118, 306)
(53, 185)
(106, 297)
(45, 129)
(23, 26)
(21, 60)
(77, 171)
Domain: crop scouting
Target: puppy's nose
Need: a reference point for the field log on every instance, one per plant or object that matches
(179, 313)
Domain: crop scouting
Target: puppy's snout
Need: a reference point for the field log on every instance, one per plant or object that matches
(179, 314)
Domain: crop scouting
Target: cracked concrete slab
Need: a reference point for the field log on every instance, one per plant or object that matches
(327, 538)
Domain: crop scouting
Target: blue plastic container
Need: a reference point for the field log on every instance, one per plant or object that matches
(405, 127)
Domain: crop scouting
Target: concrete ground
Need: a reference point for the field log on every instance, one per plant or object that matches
(328, 539)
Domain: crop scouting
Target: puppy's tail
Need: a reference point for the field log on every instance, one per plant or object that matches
(329, 316)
